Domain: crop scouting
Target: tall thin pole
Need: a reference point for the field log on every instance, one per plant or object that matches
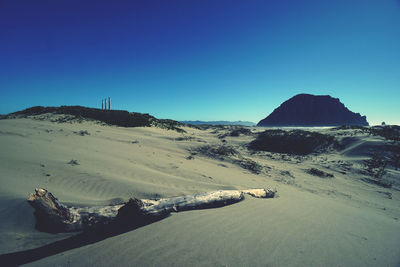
(109, 103)
(102, 104)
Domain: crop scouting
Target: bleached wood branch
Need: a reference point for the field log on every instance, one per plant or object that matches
(53, 216)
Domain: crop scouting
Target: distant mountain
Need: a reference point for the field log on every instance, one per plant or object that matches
(313, 110)
(244, 123)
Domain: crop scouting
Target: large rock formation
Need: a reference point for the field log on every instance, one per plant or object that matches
(313, 110)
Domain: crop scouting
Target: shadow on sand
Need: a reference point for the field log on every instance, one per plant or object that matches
(84, 238)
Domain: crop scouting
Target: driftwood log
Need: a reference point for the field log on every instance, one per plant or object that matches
(53, 216)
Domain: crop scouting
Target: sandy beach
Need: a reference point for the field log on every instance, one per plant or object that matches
(313, 221)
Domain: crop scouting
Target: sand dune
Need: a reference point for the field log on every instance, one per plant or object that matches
(314, 221)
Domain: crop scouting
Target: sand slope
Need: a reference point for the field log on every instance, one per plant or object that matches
(314, 222)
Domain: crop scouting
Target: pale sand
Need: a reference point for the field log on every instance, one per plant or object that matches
(341, 221)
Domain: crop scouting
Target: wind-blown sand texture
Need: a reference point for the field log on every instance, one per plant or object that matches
(342, 220)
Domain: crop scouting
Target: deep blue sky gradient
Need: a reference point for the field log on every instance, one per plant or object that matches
(206, 60)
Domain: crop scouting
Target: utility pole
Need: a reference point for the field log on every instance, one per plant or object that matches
(104, 104)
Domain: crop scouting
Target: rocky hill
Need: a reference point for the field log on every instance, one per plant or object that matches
(313, 110)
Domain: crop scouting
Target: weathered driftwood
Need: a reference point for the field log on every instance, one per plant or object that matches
(52, 216)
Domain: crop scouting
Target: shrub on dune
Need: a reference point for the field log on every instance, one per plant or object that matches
(298, 142)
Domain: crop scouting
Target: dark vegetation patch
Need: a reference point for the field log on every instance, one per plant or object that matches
(298, 142)
(382, 183)
(241, 130)
(319, 173)
(73, 162)
(82, 133)
(375, 167)
(185, 138)
(349, 127)
(395, 156)
(229, 154)
(389, 154)
(217, 151)
(249, 165)
(287, 173)
(165, 124)
(236, 132)
(112, 117)
(204, 127)
(389, 132)
(68, 119)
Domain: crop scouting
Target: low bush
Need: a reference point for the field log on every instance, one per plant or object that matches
(319, 173)
(296, 142)
(239, 131)
(250, 165)
(389, 132)
(395, 156)
(73, 162)
(217, 152)
(82, 133)
(376, 166)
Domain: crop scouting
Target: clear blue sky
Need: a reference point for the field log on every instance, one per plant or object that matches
(201, 59)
